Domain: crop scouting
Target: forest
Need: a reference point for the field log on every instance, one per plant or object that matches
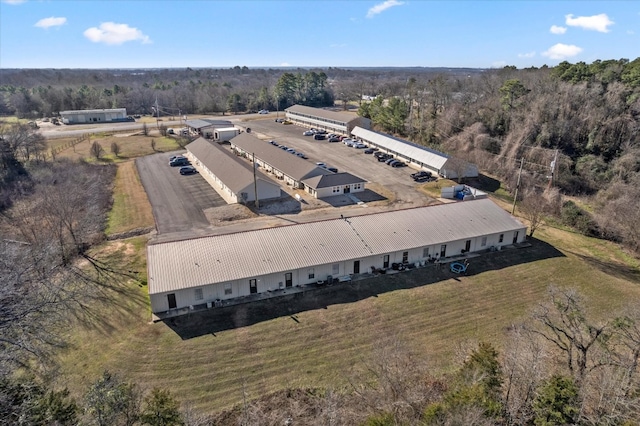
(573, 130)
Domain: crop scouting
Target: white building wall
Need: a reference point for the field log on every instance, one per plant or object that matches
(275, 281)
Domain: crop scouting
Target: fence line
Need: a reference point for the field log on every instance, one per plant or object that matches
(67, 145)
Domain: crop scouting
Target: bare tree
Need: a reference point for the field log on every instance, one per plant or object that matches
(96, 150)
(153, 144)
(534, 208)
(115, 148)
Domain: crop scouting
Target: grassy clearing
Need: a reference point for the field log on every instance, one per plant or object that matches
(131, 208)
(270, 347)
(131, 146)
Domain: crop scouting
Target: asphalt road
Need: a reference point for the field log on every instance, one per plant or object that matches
(178, 201)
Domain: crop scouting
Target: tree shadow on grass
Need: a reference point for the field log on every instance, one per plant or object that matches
(216, 320)
(617, 270)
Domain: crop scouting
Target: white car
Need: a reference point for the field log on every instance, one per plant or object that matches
(263, 111)
(359, 145)
(307, 133)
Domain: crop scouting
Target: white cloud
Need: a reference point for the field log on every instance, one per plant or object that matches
(112, 33)
(598, 23)
(51, 22)
(562, 51)
(14, 1)
(285, 64)
(555, 29)
(527, 55)
(379, 8)
(499, 64)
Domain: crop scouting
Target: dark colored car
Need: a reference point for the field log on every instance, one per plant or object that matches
(179, 161)
(369, 151)
(390, 160)
(332, 169)
(385, 158)
(318, 137)
(334, 139)
(188, 170)
(420, 174)
(398, 164)
(321, 132)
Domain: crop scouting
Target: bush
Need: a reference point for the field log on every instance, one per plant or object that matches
(578, 219)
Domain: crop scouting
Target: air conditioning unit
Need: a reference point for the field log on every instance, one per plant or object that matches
(209, 305)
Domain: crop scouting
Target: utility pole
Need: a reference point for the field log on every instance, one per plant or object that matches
(255, 182)
(515, 197)
(553, 168)
(157, 114)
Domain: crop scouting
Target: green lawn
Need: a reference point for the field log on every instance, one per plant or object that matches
(315, 341)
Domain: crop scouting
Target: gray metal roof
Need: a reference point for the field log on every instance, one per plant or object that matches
(291, 165)
(93, 111)
(236, 174)
(335, 179)
(431, 157)
(197, 262)
(323, 113)
(202, 123)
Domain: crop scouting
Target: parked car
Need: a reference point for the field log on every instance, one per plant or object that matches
(320, 164)
(398, 164)
(359, 145)
(320, 132)
(421, 173)
(385, 158)
(369, 151)
(274, 143)
(421, 179)
(283, 147)
(263, 111)
(389, 160)
(301, 155)
(287, 122)
(279, 120)
(188, 170)
(179, 161)
(332, 169)
(291, 151)
(307, 133)
(318, 137)
(334, 139)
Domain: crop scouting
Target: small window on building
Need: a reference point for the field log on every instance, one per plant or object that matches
(501, 239)
(199, 295)
(405, 256)
(227, 288)
(483, 242)
(336, 189)
(425, 252)
(335, 269)
(312, 274)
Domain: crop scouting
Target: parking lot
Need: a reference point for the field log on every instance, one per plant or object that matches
(183, 204)
(178, 201)
(396, 181)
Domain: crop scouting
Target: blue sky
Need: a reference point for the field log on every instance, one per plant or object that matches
(211, 33)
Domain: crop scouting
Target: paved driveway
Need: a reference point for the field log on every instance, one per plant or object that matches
(346, 159)
(178, 201)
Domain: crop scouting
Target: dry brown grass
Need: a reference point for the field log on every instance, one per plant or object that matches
(131, 208)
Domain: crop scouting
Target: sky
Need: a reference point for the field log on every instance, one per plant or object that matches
(401, 33)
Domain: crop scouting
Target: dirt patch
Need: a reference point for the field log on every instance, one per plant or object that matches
(228, 213)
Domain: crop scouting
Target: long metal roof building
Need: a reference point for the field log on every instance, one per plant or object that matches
(431, 159)
(191, 263)
(236, 174)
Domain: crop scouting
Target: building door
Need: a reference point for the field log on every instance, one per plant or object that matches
(253, 287)
(347, 189)
(385, 261)
(405, 256)
(288, 279)
(171, 298)
(356, 267)
(515, 237)
(443, 250)
(467, 246)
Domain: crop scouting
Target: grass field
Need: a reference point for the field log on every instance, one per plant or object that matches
(131, 208)
(316, 340)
